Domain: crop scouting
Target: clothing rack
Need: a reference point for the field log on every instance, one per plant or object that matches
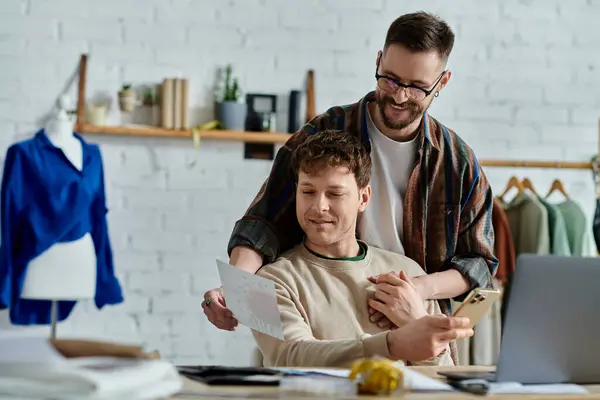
(82, 127)
(591, 165)
(538, 164)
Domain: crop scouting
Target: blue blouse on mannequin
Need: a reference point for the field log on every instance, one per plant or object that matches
(46, 200)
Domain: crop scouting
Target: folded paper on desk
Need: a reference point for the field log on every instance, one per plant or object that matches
(32, 368)
(413, 380)
(418, 382)
(252, 299)
(481, 386)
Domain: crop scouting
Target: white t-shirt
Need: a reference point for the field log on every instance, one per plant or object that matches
(392, 163)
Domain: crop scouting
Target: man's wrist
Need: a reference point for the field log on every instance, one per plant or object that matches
(394, 346)
(424, 286)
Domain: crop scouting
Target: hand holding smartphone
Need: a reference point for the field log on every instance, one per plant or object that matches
(477, 304)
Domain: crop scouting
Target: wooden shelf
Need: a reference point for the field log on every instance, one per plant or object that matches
(152, 131)
(281, 138)
(537, 164)
(268, 137)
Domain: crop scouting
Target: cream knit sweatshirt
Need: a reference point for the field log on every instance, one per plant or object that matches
(324, 311)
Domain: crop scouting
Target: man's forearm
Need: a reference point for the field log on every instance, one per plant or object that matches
(310, 352)
(442, 285)
(246, 258)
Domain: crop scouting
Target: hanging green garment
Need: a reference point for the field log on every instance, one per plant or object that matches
(578, 232)
(559, 240)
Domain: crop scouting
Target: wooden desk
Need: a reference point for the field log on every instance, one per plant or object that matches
(204, 391)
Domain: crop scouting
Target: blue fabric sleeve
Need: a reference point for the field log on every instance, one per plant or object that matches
(10, 194)
(108, 288)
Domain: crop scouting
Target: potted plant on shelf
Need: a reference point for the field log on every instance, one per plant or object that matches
(127, 98)
(231, 111)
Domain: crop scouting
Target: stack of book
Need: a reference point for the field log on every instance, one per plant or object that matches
(174, 103)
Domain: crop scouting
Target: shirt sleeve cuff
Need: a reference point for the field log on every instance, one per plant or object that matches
(376, 345)
(256, 234)
(475, 269)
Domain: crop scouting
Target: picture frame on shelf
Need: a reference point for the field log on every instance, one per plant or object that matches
(261, 117)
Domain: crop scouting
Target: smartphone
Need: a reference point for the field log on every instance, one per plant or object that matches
(477, 304)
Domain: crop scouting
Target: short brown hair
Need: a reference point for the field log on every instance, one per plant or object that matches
(421, 31)
(332, 148)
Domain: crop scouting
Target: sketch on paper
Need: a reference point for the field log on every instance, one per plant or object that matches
(252, 299)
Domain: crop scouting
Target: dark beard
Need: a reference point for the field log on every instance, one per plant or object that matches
(416, 111)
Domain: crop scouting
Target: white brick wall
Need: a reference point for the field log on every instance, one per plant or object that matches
(521, 88)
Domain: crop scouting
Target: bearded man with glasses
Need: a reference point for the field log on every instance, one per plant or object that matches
(430, 198)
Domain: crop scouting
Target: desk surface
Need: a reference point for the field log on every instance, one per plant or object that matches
(196, 390)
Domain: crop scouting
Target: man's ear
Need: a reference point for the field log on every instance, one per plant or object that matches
(445, 79)
(365, 196)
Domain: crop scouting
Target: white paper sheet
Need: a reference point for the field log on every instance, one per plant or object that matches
(252, 299)
(336, 373)
(419, 382)
(518, 388)
(413, 380)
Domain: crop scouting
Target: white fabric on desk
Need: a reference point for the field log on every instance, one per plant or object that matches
(31, 368)
(91, 379)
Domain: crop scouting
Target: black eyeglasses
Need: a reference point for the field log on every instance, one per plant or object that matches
(392, 85)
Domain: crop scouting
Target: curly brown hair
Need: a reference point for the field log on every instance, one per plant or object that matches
(333, 148)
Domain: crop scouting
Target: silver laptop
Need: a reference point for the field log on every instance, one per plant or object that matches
(551, 324)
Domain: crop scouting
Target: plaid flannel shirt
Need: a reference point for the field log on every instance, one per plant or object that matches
(447, 207)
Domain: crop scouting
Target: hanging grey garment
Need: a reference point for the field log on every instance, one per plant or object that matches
(597, 225)
(528, 221)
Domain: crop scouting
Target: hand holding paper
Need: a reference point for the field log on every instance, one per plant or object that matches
(252, 299)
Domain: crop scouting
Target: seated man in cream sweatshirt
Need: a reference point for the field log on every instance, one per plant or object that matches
(323, 283)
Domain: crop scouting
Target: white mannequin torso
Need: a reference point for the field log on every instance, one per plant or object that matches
(60, 133)
(66, 271)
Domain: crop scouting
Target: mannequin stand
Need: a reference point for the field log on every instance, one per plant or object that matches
(53, 318)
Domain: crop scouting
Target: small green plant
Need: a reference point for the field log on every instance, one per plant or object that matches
(148, 98)
(231, 91)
